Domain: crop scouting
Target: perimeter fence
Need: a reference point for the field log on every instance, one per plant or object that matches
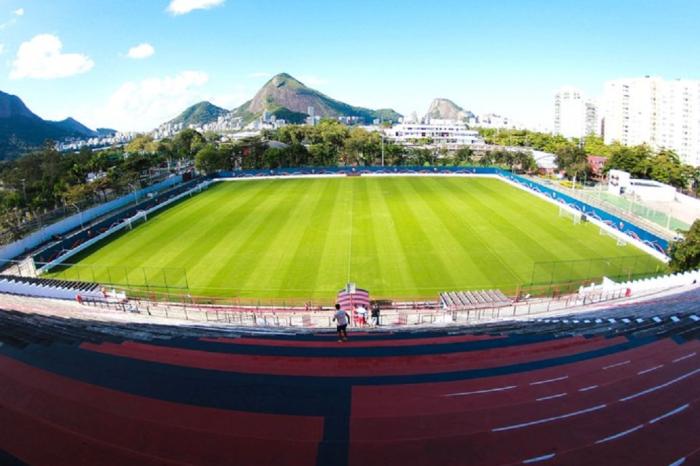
(567, 276)
(136, 281)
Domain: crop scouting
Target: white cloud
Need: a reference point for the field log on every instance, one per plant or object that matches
(41, 58)
(2, 48)
(260, 74)
(182, 7)
(141, 51)
(19, 12)
(144, 105)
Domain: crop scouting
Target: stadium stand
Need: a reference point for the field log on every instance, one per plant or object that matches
(465, 300)
(610, 386)
(48, 288)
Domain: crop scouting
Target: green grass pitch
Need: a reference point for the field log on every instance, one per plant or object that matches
(404, 237)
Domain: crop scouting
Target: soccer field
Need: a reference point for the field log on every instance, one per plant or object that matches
(405, 237)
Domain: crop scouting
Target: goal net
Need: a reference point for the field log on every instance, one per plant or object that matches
(569, 213)
(617, 237)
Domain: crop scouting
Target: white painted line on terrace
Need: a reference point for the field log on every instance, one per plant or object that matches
(542, 382)
(675, 319)
(659, 387)
(695, 318)
(683, 358)
(545, 398)
(540, 458)
(612, 321)
(588, 389)
(657, 320)
(626, 320)
(611, 366)
(640, 320)
(479, 392)
(549, 419)
(651, 369)
(670, 413)
(620, 434)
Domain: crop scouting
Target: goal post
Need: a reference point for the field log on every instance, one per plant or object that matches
(570, 213)
(619, 239)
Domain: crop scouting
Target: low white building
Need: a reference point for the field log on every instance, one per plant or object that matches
(442, 133)
(621, 183)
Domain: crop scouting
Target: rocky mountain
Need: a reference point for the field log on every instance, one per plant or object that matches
(288, 98)
(75, 127)
(199, 114)
(445, 109)
(21, 130)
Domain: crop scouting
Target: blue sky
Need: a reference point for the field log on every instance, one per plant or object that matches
(70, 57)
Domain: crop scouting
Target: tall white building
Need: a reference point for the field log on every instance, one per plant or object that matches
(654, 111)
(574, 116)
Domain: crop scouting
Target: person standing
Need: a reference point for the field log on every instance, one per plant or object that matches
(342, 319)
(361, 315)
(375, 315)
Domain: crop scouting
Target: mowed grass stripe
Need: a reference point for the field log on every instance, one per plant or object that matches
(396, 275)
(507, 232)
(426, 264)
(461, 251)
(207, 227)
(205, 260)
(303, 270)
(141, 245)
(364, 240)
(405, 238)
(480, 250)
(277, 257)
(544, 217)
(246, 239)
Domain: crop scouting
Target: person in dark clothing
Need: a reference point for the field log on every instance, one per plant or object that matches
(375, 315)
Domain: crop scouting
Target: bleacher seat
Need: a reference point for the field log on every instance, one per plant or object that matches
(623, 379)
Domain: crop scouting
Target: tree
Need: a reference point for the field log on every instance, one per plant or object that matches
(362, 147)
(187, 143)
(209, 160)
(463, 156)
(394, 154)
(666, 167)
(634, 160)
(685, 254)
(574, 161)
(141, 144)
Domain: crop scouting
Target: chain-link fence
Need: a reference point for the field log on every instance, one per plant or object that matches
(569, 275)
(136, 281)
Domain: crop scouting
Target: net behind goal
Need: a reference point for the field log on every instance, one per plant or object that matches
(570, 213)
(617, 237)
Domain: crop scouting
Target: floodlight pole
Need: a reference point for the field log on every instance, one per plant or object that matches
(382, 149)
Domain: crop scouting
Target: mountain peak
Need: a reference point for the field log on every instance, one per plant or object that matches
(445, 109)
(285, 80)
(198, 114)
(12, 106)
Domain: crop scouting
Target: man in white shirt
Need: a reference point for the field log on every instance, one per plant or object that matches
(342, 318)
